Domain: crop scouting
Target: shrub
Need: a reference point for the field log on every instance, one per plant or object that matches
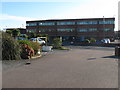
(16, 32)
(92, 40)
(10, 48)
(23, 53)
(9, 32)
(33, 45)
(87, 41)
(26, 51)
(25, 36)
(25, 42)
(31, 35)
(57, 42)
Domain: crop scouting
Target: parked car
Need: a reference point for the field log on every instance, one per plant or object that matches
(40, 41)
(106, 40)
(20, 38)
(98, 41)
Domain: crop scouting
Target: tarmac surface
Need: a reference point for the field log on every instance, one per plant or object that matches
(80, 67)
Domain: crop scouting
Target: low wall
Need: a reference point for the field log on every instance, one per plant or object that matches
(95, 44)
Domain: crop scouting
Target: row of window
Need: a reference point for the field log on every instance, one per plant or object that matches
(107, 29)
(71, 23)
(65, 23)
(31, 24)
(31, 30)
(66, 30)
(87, 29)
(50, 23)
(70, 30)
(106, 22)
(48, 30)
(87, 22)
(94, 29)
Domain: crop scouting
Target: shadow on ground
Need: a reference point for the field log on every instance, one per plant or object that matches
(91, 58)
(112, 57)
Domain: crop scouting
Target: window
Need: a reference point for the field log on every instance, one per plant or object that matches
(107, 29)
(92, 29)
(46, 23)
(31, 30)
(46, 30)
(106, 22)
(42, 30)
(87, 22)
(31, 24)
(87, 29)
(66, 30)
(65, 23)
(82, 30)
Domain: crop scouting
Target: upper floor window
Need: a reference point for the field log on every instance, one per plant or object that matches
(106, 22)
(107, 29)
(46, 30)
(82, 30)
(92, 29)
(87, 29)
(31, 24)
(65, 23)
(46, 23)
(66, 30)
(31, 30)
(87, 22)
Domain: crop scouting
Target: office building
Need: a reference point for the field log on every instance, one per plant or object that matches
(73, 29)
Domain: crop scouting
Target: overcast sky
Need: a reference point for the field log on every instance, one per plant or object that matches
(15, 13)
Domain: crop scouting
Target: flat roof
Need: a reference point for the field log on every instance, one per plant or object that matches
(69, 19)
(15, 28)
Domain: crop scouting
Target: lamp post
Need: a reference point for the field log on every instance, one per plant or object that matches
(103, 27)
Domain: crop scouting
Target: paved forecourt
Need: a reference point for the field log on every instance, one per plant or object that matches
(86, 67)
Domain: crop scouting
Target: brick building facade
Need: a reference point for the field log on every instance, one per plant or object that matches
(74, 29)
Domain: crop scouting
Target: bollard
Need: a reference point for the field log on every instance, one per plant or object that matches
(117, 51)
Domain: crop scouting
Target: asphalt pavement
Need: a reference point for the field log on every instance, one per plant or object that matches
(79, 67)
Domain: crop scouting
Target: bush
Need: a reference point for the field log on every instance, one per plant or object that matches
(87, 41)
(25, 42)
(9, 32)
(10, 48)
(25, 36)
(31, 35)
(57, 42)
(33, 45)
(92, 40)
(26, 51)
